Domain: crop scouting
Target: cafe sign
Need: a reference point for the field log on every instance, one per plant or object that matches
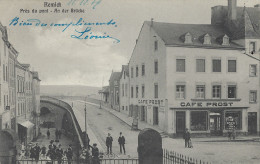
(206, 104)
(151, 102)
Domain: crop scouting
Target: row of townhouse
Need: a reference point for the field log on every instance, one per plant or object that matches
(194, 76)
(19, 93)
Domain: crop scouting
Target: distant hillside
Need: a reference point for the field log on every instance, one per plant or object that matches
(69, 90)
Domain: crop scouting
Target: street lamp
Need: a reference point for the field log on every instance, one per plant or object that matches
(86, 136)
(100, 92)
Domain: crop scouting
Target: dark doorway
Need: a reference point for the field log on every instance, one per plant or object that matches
(252, 123)
(155, 115)
(180, 123)
(216, 124)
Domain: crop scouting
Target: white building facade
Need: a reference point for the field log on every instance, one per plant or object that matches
(197, 76)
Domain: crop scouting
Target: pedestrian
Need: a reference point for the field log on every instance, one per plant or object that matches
(59, 132)
(37, 151)
(59, 154)
(56, 133)
(32, 153)
(95, 154)
(109, 141)
(186, 137)
(69, 154)
(48, 134)
(121, 141)
(43, 151)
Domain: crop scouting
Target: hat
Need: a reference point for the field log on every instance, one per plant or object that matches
(94, 144)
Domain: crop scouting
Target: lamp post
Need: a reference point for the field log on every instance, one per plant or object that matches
(100, 99)
(86, 136)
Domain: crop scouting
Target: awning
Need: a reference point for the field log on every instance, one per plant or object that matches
(27, 124)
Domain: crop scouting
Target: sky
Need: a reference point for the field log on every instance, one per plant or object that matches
(62, 59)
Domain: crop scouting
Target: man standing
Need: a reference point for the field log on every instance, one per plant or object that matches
(95, 154)
(48, 134)
(69, 154)
(109, 141)
(121, 141)
(37, 150)
(59, 154)
(186, 137)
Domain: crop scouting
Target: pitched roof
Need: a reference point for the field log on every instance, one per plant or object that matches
(126, 69)
(171, 33)
(115, 76)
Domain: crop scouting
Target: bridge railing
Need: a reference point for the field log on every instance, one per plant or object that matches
(69, 109)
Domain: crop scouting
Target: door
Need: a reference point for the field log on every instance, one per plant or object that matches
(252, 123)
(215, 124)
(180, 123)
(155, 116)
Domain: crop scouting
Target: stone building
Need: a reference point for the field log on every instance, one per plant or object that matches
(196, 76)
(114, 90)
(124, 90)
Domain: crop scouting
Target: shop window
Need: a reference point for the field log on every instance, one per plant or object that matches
(200, 91)
(180, 65)
(253, 96)
(236, 115)
(252, 47)
(216, 91)
(200, 65)
(232, 65)
(180, 91)
(216, 64)
(232, 91)
(155, 90)
(199, 120)
(252, 70)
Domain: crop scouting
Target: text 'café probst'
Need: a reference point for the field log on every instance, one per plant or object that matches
(206, 104)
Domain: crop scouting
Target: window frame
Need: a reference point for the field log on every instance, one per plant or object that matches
(228, 69)
(204, 87)
(156, 66)
(178, 70)
(253, 91)
(216, 59)
(250, 75)
(235, 91)
(217, 85)
(179, 93)
(156, 90)
(197, 65)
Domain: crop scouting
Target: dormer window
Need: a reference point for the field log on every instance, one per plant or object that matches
(188, 39)
(225, 41)
(252, 47)
(207, 39)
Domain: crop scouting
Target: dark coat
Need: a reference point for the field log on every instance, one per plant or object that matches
(121, 140)
(186, 135)
(109, 140)
(69, 153)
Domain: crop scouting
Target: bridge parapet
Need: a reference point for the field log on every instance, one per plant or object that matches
(67, 107)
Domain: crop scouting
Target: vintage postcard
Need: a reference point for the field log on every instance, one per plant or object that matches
(129, 81)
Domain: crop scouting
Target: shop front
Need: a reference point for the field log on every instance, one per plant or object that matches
(209, 120)
(25, 132)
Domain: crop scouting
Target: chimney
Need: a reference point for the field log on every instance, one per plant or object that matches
(151, 22)
(232, 9)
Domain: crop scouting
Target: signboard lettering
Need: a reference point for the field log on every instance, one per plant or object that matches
(206, 104)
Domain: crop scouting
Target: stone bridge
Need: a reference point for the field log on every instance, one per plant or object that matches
(55, 113)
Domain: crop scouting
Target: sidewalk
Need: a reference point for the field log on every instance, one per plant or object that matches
(128, 120)
(91, 135)
(143, 125)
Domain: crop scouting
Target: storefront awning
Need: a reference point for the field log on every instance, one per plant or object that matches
(26, 124)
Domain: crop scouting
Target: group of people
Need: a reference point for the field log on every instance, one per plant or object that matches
(121, 142)
(54, 153)
(57, 134)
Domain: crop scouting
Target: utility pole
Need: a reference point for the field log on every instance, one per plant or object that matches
(86, 137)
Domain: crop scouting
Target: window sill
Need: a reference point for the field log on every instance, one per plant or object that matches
(252, 102)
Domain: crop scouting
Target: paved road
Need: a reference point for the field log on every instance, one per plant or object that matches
(103, 122)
